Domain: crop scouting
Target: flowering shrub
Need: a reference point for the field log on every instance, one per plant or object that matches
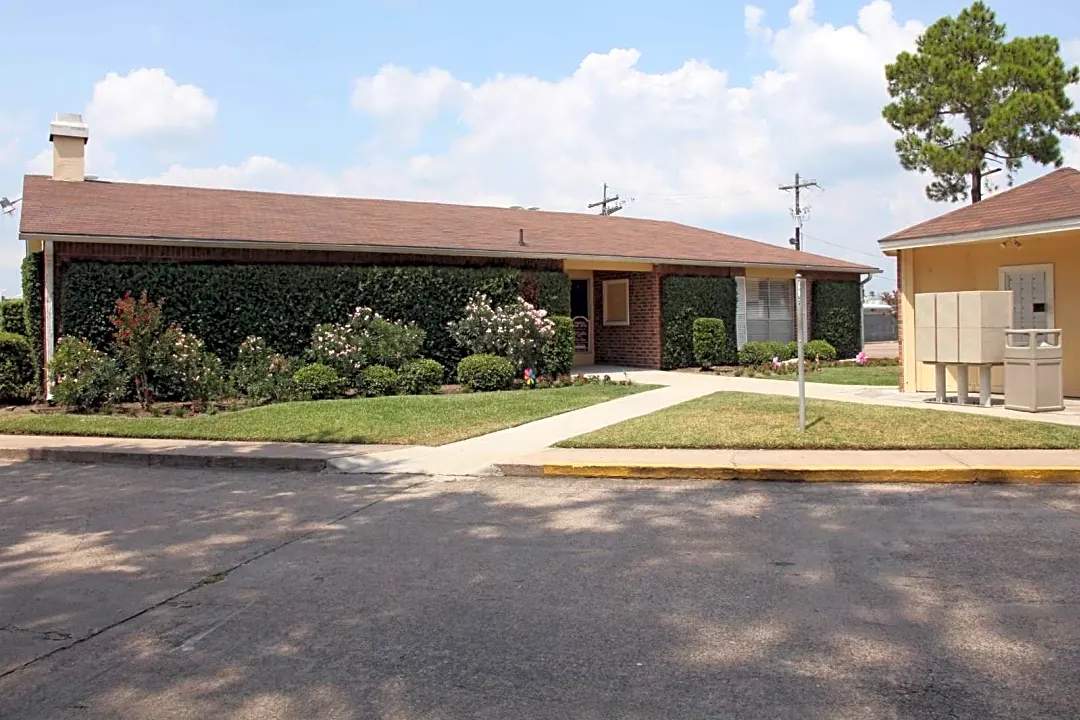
(184, 369)
(260, 373)
(83, 377)
(366, 338)
(516, 332)
(137, 331)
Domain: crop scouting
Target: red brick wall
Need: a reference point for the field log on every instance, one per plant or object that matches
(636, 344)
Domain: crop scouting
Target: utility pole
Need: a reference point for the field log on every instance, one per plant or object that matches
(616, 206)
(799, 212)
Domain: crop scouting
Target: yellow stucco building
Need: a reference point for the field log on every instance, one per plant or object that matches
(1026, 239)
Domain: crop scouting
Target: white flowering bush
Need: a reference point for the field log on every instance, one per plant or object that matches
(516, 331)
(185, 370)
(83, 377)
(259, 373)
(366, 338)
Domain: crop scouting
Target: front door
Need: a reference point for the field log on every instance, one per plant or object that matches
(581, 312)
(1033, 295)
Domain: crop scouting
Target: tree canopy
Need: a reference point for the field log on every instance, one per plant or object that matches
(968, 103)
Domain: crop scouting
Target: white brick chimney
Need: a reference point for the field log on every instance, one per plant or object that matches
(68, 135)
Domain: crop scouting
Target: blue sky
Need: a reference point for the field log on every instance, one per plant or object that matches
(696, 109)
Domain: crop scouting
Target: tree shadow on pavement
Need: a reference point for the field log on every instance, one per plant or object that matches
(540, 598)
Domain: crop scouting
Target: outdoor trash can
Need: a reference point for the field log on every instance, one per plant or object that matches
(1033, 370)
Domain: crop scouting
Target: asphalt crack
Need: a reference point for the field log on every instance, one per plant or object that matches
(201, 582)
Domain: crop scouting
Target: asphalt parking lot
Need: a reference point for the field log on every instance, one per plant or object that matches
(136, 593)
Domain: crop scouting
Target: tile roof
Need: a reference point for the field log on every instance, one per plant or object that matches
(161, 212)
(1054, 196)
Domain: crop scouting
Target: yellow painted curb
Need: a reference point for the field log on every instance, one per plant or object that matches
(950, 474)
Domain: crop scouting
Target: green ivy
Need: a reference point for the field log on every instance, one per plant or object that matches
(683, 300)
(33, 274)
(835, 315)
(223, 304)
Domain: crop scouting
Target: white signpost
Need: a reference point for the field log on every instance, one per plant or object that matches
(800, 332)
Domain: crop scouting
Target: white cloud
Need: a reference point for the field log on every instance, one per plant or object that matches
(688, 143)
(147, 102)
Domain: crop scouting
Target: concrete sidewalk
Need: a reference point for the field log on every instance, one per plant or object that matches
(933, 466)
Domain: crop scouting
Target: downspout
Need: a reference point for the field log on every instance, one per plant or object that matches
(50, 322)
(862, 314)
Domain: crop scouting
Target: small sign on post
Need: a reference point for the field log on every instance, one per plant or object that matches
(800, 332)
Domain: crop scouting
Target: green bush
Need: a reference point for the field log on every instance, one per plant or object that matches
(710, 342)
(819, 350)
(836, 306)
(316, 382)
(13, 316)
(778, 350)
(379, 380)
(261, 374)
(557, 354)
(484, 373)
(84, 377)
(33, 298)
(756, 353)
(16, 368)
(791, 350)
(225, 303)
(683, 299)
(421, 377)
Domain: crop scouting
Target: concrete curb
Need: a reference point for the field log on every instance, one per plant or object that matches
(944, 475)
(164, 458)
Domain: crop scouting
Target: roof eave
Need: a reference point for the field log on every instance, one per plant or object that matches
(412, 250)
(1001, 233)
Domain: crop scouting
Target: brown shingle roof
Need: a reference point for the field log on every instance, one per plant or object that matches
(161, 212)
(1054, 196)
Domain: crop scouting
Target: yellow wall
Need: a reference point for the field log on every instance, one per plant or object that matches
(974, 266)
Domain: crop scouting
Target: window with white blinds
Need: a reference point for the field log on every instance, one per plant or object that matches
(770, 310)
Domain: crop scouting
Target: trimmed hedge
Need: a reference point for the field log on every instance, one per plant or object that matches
(683, 300)
(421, 377)
(33, 278)
(557, 354)
(819, 350)
(379, 380)
(836, 306)
(13, 316)
(484, 373)
(16, 368)
(710, 339)
(316, 382)
(283, 303)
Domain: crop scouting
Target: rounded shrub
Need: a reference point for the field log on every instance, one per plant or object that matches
(819, 350)
(791, 350)
(85, 378)
(13, 316)
(484, 373)
(421, 377)
(316, 382)
(378, 380)
(710, 341)
(16, 368)
(755, 353)
(557, 353)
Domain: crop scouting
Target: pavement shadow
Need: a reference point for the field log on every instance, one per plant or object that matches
(544, 598)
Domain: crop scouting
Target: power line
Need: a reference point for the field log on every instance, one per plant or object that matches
(799, 212)
(616, 206)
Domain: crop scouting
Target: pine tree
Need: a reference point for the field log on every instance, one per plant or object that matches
(968, 100)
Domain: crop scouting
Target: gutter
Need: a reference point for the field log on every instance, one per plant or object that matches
(412, 250)
(1001, 233)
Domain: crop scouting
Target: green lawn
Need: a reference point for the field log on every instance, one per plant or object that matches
(887, 375)
(751, 421)
(411, 420)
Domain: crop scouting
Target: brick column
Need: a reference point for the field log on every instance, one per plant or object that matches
(637, 344)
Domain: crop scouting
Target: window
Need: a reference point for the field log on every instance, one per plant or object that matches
(770, 310)
(616, 302)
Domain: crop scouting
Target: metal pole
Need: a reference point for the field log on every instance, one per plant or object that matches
(800, 331)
